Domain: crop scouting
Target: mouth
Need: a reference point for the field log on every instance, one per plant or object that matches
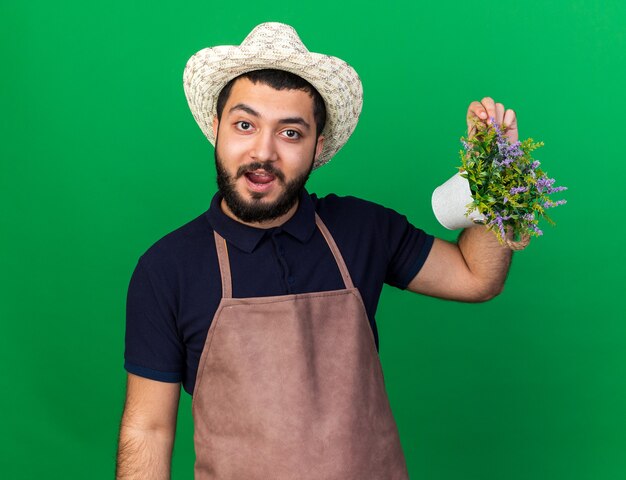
(260, 180)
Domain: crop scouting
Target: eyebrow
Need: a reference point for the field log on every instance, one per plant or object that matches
(245, 108)
(296, 120)
(249, 110)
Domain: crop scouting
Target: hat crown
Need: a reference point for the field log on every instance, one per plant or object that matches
(274, 35)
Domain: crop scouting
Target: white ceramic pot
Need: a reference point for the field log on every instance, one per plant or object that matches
(450, 204)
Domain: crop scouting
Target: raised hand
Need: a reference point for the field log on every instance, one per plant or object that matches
(485, 110)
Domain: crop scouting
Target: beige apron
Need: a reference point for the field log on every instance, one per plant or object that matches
(291, 387)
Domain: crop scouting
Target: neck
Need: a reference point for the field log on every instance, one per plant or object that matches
(276, 222)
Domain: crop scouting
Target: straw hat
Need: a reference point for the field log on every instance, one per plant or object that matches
(277, 46)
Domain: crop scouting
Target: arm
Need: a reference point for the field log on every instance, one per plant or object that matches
(147, 429)
(473, 269)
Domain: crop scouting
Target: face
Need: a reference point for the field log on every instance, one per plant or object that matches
(265, 147)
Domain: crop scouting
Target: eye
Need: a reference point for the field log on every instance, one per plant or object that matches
(243, 125)
(292, 134)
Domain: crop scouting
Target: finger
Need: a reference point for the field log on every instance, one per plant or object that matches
(471, 131)
(476, 110)
(499, 113)
(510, 119)
(490, 107)
(475, 113)
(510, 124)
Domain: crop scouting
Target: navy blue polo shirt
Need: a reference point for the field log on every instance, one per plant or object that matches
(175, 288)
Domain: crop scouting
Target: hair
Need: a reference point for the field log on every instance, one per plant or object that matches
(278, 80)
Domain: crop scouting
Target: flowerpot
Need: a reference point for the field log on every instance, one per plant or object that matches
(450, 202)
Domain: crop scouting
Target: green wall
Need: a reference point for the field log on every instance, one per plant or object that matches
(100, 157)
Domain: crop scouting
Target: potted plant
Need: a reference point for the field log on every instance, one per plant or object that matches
(500, 185)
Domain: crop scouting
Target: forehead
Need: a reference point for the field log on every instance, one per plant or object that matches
(268, 101)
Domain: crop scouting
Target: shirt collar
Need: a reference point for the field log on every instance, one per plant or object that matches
(300, 226)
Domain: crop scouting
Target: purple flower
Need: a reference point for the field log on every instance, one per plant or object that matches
(536, 229)
(515, 149)
(551, 204)
(496, 127)
(556, 189)
(535, 164)
(532, 223)
(507, 153)
(512, 151)
(544, 183)
(498, 220)
(516, 190)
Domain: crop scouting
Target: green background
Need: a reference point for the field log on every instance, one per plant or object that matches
(100, 157)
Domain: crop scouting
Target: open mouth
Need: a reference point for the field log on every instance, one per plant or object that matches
(260, 180)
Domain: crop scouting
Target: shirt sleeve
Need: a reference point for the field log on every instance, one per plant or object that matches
(408, 248)
(153, 348)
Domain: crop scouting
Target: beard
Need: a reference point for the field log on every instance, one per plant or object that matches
(256, 210)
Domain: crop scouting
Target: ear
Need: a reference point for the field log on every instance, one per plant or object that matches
(319, 147)
(215, 125)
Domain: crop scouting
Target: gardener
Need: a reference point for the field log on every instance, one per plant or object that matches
(263, 306)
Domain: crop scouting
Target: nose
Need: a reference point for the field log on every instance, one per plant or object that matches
(263, 148)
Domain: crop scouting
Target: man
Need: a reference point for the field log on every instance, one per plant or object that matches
(263, 306)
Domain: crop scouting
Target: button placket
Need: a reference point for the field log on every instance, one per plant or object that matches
(288, 279)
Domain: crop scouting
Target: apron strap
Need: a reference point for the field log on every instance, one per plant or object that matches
(224, 263)
(222, 257)
(336, 253)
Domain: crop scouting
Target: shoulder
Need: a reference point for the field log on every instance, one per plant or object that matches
(179, 246)
(362, 222)
(352, 210)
